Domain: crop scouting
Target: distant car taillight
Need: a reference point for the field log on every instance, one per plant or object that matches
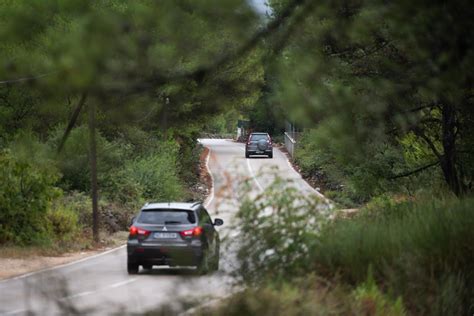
(196, 231)
(134, 231)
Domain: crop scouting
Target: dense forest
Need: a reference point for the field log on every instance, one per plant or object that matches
(132, 84)
(113, 95)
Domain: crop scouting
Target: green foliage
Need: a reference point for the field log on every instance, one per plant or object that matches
(419, 252)
(310, 296)
(277, 230)
(410, 247)
(26, 192)
(368, 75)
(156, 174)
(353, 179)
(350, 179)
(73, 161)
(374, 302)
(80, 203)
(216, 125)
(63, 222)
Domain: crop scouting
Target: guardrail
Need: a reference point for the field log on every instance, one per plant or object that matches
(290, 144)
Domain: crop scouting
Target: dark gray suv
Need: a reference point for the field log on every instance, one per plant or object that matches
(259, 144)
(173, 234)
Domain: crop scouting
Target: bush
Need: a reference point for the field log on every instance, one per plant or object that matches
(63, 222)
(277, 232)
(421, 251)
(309, 296)
(156, 174)
(73, 161)
(26, 192)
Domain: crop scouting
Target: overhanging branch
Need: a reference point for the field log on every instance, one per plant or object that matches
(412, 172)
(72, 121)
(157, 79)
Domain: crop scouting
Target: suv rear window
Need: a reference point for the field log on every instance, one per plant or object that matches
(166, 217)
(258, 137)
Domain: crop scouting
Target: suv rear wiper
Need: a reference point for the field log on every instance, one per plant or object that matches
(172, 222)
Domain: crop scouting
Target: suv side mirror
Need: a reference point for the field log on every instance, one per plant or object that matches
(218, 222)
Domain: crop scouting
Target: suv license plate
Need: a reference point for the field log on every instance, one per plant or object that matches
(165, 235)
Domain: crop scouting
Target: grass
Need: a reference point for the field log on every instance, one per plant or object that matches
(412, 257)
(420, 251)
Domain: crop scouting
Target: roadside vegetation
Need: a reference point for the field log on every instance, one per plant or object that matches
(413, 257)
(45, 201)
(109, 86)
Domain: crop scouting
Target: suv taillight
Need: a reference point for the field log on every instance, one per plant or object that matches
(196, 231)
(134, 231)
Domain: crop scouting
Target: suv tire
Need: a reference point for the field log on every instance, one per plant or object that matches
(132, 268)
(204, 266)
(215, 261)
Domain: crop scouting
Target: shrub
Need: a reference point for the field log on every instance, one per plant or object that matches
(306, 296)
(156, 174)
(73, 161)
(372, 301)
(26, 192)
(421, 251)
(63, 222)
(277, 230)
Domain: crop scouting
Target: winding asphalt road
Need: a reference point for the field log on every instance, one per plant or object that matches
(100, 285)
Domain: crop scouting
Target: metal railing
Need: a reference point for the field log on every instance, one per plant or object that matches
(290, 143)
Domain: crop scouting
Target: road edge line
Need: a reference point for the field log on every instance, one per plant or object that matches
(319, 194)
(22, 276)
(210, 198)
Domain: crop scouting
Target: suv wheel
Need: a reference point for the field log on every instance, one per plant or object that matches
(247, 155)
(132, 268)
(204, 265)
(215, 261)
(270, 155)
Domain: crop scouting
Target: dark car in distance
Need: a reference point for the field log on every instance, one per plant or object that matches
(173, 234)
(259, 144)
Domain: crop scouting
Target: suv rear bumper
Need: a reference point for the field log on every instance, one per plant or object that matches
(259, 152)
(172, 255)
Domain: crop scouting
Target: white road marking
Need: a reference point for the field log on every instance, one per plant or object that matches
(319, 194)
(252, 173)
(81, 294)
(18, 311)
(119, 284)
(62, 265)
(211, 195)
(111, 286)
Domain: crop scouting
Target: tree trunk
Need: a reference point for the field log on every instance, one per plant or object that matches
(448, 160)
(93, 166)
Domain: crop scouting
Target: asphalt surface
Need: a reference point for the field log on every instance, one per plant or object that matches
(100, 285)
